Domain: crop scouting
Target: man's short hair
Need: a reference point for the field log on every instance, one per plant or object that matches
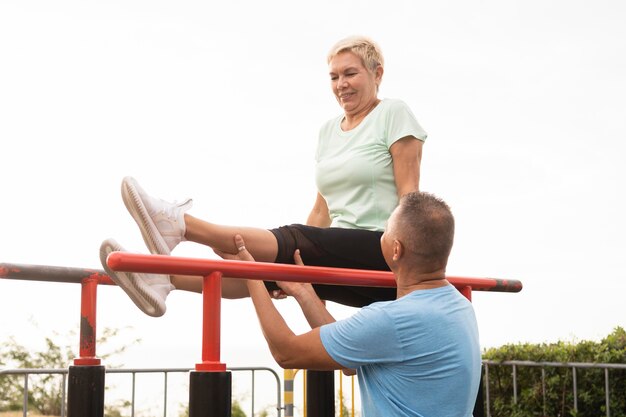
(426, 227)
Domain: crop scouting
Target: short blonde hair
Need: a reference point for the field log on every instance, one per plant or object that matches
(365, 48)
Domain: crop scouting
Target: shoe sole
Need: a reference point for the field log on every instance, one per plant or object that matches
(151, 236)
(130, 282)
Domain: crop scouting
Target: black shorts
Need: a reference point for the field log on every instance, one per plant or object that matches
(338, 248)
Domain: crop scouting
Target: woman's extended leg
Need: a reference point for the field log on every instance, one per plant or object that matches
(164, 225)
(149, 291)
(261, 243)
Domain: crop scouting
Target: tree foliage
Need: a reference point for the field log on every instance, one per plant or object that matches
(44, 391)
(558, 399)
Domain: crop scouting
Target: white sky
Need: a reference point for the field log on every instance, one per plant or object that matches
(524, 103)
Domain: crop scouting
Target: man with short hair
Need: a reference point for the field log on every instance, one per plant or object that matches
(418, 355)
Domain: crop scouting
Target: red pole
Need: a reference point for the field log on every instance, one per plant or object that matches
(210, 386)
(161, 264)
(466, 291)
(87, 348)
(211, 316)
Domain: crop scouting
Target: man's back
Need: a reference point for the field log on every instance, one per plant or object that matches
(416, 356)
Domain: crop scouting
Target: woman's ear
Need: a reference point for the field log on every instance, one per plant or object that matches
(378, 75)
(379, 72)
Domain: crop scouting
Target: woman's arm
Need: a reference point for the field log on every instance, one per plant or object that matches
(319, 216)
(407, 156)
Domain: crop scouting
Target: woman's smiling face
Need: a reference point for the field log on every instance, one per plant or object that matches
(354, 86)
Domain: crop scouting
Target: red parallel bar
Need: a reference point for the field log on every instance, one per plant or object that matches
(48, 273)
(213, 270)
(87, 348)
(466, 291)
(211, 317)
(161, 264)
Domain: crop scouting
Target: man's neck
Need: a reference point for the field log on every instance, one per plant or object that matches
(415, 281)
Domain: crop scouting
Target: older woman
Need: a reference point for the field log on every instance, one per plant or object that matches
(366, 159)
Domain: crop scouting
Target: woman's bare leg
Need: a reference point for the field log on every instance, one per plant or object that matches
(260, 243)
(164, 225)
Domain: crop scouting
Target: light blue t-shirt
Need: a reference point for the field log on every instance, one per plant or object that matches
(354, 169)
(415, 356)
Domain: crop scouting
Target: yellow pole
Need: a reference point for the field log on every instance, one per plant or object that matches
(340, 393)
(304, 396)
(288, 391)
(352, 377)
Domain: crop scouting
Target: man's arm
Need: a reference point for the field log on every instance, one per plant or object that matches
(304, 351)
(313, 308)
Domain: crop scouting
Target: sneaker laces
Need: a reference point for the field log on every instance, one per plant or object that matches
(171, 209)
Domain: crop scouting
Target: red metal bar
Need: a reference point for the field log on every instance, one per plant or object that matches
(161, 264)
(52, 273)
(466, 291)
(87, 348)
(211, 316)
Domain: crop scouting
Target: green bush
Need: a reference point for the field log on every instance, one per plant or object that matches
(558, 399)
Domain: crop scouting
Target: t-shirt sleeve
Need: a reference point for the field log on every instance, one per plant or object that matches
(401, 122)
(365, 338)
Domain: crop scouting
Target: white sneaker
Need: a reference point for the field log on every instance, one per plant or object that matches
(148, 291)
(162, 223)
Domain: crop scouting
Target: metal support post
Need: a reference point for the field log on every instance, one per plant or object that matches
(85, 395)
(210, 394)
(210, 386)
(320, 393)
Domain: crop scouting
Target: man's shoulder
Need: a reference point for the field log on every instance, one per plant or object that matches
(366, 316)
(425, 300)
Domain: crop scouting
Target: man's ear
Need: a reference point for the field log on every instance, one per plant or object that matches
(398, 250)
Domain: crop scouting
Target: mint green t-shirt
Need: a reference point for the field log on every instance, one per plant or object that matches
(354, 169)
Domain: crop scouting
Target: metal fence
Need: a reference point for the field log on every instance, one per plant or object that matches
(543, 365)
(133, 372)
(487, 364)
